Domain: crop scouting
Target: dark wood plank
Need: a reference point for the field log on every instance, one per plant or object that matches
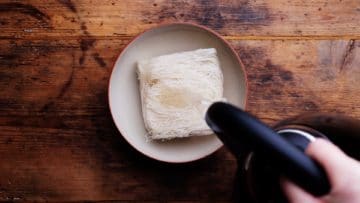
(70, 165)
(292, 77)
(280, 18)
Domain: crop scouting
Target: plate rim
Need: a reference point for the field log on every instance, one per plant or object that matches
(162, 25)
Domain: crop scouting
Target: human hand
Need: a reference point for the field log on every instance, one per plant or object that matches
(343, 173)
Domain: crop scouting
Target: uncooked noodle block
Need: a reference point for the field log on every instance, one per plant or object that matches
(176, 90)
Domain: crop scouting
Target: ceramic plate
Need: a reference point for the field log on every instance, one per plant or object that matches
(124, 95)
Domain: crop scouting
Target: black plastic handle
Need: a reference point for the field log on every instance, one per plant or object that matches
(237, 129)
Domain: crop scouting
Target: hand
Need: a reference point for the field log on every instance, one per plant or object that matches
(343, 173)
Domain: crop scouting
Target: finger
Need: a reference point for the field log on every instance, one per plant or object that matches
(330, 157)
(295, 194)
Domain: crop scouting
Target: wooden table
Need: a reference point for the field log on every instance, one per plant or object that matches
(58, 141)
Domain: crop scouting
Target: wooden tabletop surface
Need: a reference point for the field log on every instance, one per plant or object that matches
(57, 139)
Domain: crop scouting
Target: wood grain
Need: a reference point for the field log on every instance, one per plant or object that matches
(280, 18)
(58, 141)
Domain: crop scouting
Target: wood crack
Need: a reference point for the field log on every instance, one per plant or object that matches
(349, 48)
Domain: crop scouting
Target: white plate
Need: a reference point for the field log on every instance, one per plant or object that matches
(124, 95)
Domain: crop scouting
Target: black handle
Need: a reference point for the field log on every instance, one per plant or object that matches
(236, 128)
